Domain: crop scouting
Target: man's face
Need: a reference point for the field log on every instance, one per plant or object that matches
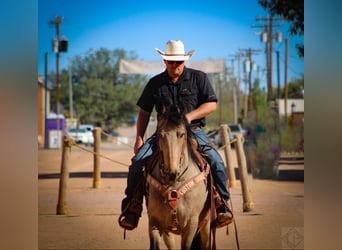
(174, 68)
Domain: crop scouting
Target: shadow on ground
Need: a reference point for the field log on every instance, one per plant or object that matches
(84, 175)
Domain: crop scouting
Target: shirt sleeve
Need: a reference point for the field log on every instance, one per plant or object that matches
(146, 100)
(207, 93)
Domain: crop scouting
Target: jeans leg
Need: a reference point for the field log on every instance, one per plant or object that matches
(217, 167)
(135, 169)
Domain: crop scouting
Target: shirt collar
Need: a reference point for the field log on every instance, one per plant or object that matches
(185, 75)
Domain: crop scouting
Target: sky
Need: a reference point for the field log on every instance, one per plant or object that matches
(216, 29)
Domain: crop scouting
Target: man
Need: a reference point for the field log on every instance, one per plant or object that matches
(176, 85)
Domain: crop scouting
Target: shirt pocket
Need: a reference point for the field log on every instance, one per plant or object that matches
(162, 98)
(189, 98)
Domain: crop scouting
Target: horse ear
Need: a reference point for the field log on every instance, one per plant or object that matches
(173, 109)
(161, 109)
(180, 108)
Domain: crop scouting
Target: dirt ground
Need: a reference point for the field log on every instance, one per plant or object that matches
(276, 222)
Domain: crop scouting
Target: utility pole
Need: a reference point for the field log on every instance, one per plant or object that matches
(57, 22)
(235, 101)
(59, 45)
(220, 79)
(267, 36)
(285, 77)
(45, 102)
(70, 94)
(278, 75)
(239, 101)
(249, 67)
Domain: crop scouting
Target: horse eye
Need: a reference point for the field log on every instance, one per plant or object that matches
(180, 135)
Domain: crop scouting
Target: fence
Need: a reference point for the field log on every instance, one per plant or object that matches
(62, 207)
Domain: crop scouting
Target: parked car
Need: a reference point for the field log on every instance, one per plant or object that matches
(82, 135)
(215, 134)
(108, 135)
(88, 127)
(236, 129)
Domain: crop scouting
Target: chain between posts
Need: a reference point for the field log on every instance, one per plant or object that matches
(73, 143)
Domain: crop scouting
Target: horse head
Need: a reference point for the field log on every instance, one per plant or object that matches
(172, 134)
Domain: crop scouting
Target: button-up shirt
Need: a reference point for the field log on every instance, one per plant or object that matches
(191, 90)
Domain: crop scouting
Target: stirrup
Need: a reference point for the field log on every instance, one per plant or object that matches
(225, 222)
(226, 209)
(128, 221)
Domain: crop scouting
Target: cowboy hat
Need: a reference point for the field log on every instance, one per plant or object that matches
(174, 51)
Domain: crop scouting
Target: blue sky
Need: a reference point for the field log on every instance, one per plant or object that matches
(215, 29)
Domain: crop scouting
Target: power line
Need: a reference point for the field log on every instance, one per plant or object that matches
(249, 66)
(267, 36)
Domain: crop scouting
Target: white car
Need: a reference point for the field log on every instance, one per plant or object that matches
(236, 129)
(215, 135)
(88, 127)
(82, 135)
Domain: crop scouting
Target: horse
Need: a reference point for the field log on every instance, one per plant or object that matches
(177, 197)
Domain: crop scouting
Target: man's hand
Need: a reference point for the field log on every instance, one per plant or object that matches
(138, 144)
(142, 122)
(202, 111)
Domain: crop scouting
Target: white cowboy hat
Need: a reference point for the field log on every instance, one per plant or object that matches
(174, 51)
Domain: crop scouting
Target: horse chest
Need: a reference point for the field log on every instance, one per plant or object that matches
(186, 208)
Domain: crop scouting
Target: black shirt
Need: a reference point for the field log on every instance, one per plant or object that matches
(191, 90)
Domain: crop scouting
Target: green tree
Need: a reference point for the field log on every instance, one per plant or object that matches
(292, 11)
(296, 85)
(101, 95)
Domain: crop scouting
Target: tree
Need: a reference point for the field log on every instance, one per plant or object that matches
(292, 11)
(101, 96)
(295, 86)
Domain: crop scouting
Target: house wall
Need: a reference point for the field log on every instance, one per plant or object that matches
(299, 106)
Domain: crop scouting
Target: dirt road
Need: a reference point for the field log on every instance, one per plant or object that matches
(277, 221)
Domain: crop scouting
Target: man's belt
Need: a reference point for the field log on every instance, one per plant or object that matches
(196, 127)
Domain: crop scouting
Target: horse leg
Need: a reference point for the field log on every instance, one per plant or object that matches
(169, 240)
(154, 236)
(188, 235)
(202, 239)
(205, 236)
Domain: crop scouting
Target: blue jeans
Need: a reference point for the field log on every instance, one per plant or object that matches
(216, 165)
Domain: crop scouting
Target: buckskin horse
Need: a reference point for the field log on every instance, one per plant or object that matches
(177, 187)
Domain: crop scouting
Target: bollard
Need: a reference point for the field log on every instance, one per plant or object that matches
(62, 207)
(248, 204)
(97, 146)
(228, 155)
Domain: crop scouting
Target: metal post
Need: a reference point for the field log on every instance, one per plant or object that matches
(46, 145)
(278, 75)
(70, 95)
(235, 103)
(57, 21)
(97, 171)
(248, 204)
(62, 207)
(285, 79)
(228, 154)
